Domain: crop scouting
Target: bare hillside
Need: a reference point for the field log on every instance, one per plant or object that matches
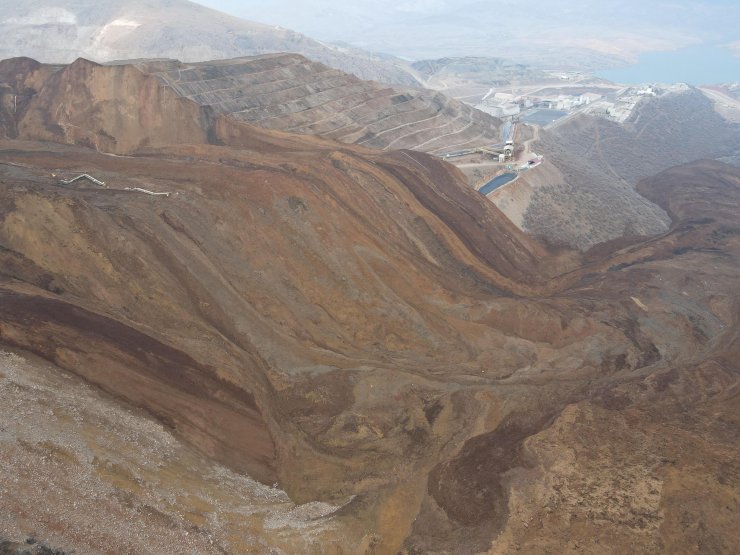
(593, 198)
(290, 93)
(401, 368)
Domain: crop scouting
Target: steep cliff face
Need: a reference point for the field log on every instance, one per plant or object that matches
(111, 109)
(359, 327)
(20, 80)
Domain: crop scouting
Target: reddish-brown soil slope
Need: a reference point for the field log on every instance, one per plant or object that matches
(361, 326)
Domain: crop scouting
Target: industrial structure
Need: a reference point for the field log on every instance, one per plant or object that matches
(84, 176)
(501, 151)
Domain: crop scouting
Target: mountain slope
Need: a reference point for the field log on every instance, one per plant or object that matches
(280, 91)
(289, 93)
(60, 31)
(585, 193)
(358, 326)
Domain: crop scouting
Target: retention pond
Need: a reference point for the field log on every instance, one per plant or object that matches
(496, 182)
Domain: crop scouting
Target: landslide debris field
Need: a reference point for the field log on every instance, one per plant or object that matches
(313, 347)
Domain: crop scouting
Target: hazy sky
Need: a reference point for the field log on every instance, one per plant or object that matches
(429, 28)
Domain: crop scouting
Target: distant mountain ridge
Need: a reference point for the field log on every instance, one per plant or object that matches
(582, 36)
(59, 31)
